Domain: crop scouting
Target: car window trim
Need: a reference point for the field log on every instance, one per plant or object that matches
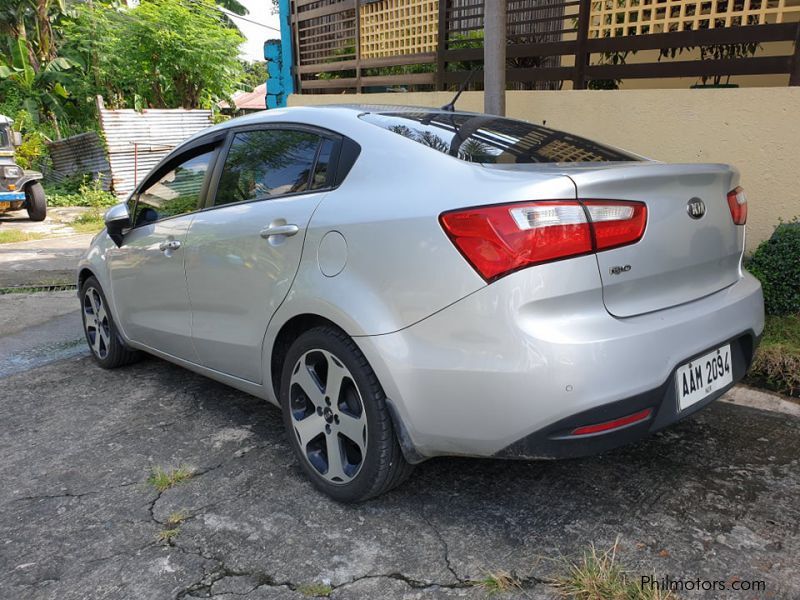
(282, 126)
(170, 163)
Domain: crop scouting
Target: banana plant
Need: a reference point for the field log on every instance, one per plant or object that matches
(42, 90)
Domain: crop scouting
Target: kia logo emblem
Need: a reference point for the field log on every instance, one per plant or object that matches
(696, 208)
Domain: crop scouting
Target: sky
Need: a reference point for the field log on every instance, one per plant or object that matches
(261, 11)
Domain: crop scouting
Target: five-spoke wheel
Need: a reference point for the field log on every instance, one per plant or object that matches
(337, 419)
(328, 416)
(95, 321)
(105, 343)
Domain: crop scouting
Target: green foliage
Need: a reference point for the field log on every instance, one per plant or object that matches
(56, 58)
(32, 151)
(776, 263)
(80, 190)
(160, 54)
(40, 87)
(253, 74)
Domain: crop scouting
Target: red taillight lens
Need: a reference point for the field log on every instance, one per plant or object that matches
(616, 223)
(499, 239)
(737, 202)
(615, 424)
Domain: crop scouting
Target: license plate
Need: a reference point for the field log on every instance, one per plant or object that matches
(703, 376)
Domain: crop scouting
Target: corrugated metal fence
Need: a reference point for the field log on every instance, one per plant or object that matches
(82, 153)
(136, 141)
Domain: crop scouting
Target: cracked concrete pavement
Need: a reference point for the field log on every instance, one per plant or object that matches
(714, 497)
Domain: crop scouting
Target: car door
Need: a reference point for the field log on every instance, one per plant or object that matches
(243, 251)
(147, 271)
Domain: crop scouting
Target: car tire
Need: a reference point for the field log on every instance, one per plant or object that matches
(37, 203)
(324, 430)
(105, 343)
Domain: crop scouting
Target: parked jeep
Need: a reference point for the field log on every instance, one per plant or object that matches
(19, 188)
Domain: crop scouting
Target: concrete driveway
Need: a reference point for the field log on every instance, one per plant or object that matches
(714, 497)
(45, 261)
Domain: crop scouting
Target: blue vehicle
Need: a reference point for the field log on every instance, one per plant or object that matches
(19, 188)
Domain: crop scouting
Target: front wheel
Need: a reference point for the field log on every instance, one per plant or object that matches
(336, 417)
(37, 203)
(101, 333)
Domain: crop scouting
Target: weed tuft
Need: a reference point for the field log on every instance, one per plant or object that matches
(162, 479)
(315, 590)
(599, 576)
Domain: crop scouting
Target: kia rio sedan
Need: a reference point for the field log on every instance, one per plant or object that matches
(407, 283)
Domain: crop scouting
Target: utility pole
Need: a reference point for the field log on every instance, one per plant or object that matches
(494, 57)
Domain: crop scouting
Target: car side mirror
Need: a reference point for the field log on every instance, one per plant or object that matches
(16, 138)
(117, 220)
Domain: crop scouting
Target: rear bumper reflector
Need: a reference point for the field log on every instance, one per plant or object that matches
(642, 415)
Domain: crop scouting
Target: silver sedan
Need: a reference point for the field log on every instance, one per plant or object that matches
(407, 283)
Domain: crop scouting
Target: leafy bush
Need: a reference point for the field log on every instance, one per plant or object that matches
(89, 193)
(32, 151)
(776, 263)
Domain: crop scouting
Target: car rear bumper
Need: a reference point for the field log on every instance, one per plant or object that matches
(506, 370)
(660, 404)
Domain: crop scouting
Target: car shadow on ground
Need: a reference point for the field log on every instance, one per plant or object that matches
(713, 497)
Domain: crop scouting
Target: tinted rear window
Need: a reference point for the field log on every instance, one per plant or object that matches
(489, 139)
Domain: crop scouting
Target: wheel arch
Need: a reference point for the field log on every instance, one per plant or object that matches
(288, 332)
(83, 274)
(300, 323)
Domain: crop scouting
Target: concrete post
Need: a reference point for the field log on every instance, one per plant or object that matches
(494, 57)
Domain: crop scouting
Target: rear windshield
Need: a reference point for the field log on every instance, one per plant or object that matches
(489, 139)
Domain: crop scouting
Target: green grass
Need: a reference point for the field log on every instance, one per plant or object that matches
(776, 365)
(498, 582)
(783, 330)
(14, 235)
(90, 222)
(315, 590)
(599, 576)
(166, 536)
(162, 480)
(176, 518)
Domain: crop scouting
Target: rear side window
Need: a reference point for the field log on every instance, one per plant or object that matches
(489, 139)
(322, 173)
(267, 163)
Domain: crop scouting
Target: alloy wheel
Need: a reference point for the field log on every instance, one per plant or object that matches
(328, 417)
(95, 320)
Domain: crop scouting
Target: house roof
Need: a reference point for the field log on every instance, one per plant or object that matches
(255, 100)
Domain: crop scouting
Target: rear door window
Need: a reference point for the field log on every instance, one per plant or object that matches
(488, 139)
(268, 163)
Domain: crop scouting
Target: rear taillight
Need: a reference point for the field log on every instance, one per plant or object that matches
(499, 239)
(737, 202)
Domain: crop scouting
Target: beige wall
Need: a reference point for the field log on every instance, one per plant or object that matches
(756, 129)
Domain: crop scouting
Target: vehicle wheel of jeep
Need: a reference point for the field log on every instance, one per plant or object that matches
(37, 203)
(104, 342)
(336, 417)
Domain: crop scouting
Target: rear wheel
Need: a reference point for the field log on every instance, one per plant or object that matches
(336, 417)
(101, 333)
(37, 203)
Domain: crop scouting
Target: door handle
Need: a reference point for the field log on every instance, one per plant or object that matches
(169, 245)
(286, 230)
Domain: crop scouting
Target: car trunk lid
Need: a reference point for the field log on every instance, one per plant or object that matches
(681, 257)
